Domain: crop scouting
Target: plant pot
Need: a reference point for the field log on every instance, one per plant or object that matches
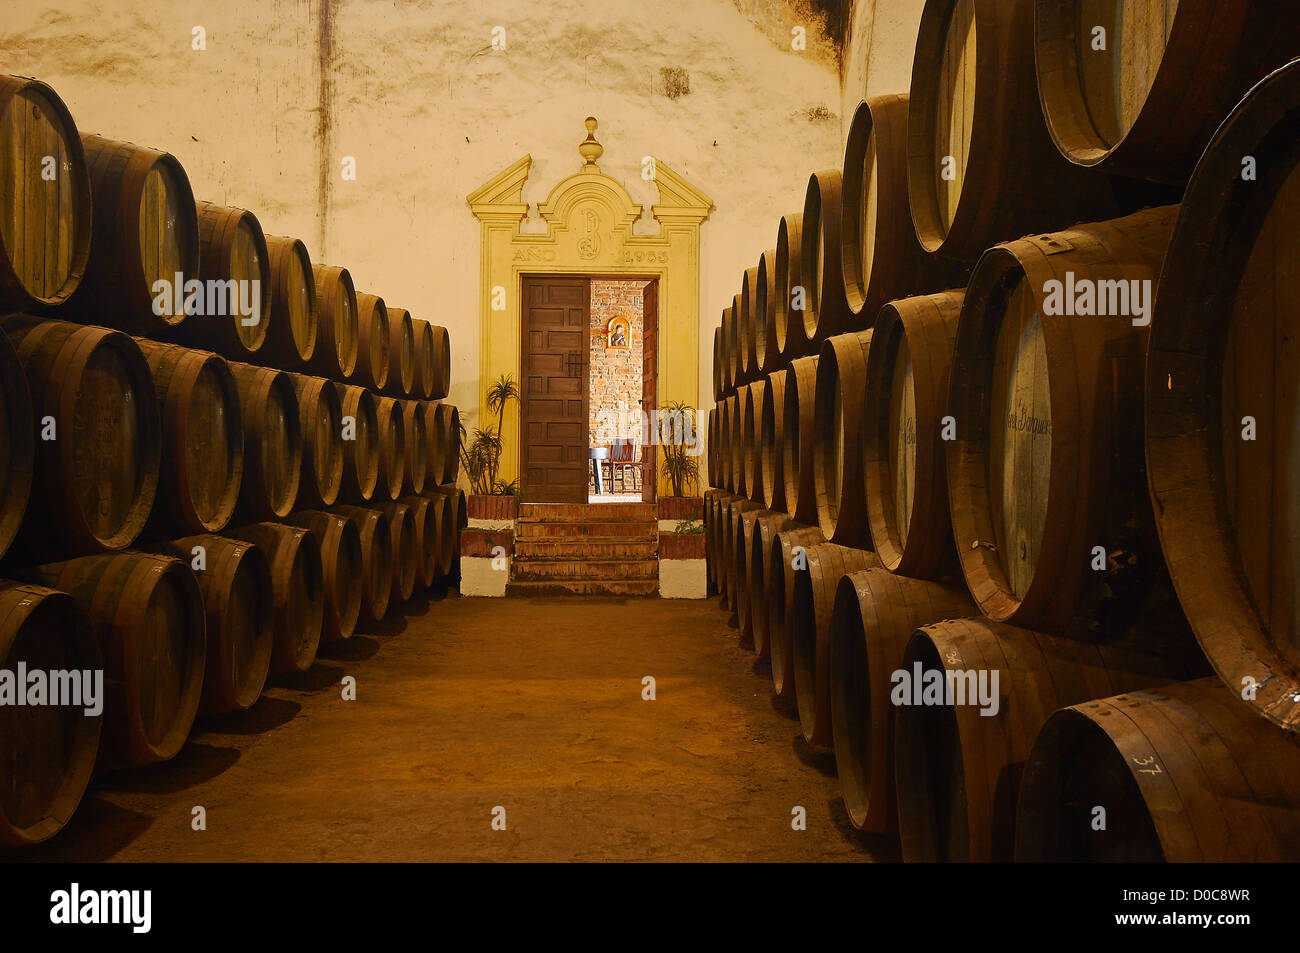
(681, 508)
(681, 545)
(487, 507)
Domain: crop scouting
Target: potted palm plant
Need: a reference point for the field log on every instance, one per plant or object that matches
(681, 463)
(490, 497)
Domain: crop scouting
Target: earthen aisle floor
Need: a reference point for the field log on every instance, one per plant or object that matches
(463, 705)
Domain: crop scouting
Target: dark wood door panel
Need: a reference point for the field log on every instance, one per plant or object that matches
(553, 393)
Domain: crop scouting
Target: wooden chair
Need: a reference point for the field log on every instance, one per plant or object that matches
(622, 457)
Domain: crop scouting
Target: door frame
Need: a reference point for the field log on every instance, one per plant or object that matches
(587, 228)
(649, 488)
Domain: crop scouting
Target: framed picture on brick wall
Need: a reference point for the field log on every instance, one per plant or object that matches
(618, 333)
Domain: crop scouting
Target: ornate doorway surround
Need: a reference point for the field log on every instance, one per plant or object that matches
(589, 220)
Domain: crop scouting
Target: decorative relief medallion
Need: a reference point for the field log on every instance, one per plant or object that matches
(589, 243)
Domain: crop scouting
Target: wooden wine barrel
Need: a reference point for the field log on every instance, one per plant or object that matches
(1047, 459)
(790, 330)
(1147, 103)
(149, 621)
(441, 361)
(826, 313)
(873, 616)
(320, 416)
(377, 558)
(734, 558)
(713, 503)
(741, 548)
(392, 448)
(812, 606)
(724, 552)
(442, 428)
(341, 570)
(406, 549)
(739, 472)
(731, 345)
(202, 440)
(273, 443)
(446, 501)
(335, 354)
(711, 447)
(95, 480)
(713, 544)
(235, 580)
(373, 346)
(837, 418)
(45, 232)
(401, 353)
(416, 435)
(294, 324)
(361, 452)
(771, 440)
(799, 443)
(752, 564)
(1186, 774)
(234, 262)
(17, 443)
(427, 517)
(297, 592)
(767, 355)
(718, 389)
(747, 329)
(424, 381)
(760, 581)
(48, 751)
(981, 166)
(726, 475)
(145, 230)
(880, 256)
(1223, 360)
(904, 467)
(958, 768)
(751, 424)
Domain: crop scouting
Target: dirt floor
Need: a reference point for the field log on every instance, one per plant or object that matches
(465, 705)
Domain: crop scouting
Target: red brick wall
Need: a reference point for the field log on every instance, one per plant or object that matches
(615, 372)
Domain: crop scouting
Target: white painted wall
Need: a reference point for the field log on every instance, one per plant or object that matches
(430, 112)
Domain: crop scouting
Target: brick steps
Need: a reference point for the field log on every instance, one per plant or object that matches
(584, 587)
(559, 547)
(587, 530)
(586, 549)
(616, 570)
(588, 512)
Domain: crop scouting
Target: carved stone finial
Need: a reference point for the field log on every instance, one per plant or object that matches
(589, 148)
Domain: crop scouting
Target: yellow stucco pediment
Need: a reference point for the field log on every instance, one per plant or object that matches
(589, 229)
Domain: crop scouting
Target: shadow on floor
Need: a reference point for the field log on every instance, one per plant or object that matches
(266, 715)
(815, 758)
(196, 763)
(883, 848)
(96, 833)
(356, 649)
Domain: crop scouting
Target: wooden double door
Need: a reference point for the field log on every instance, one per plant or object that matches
(554, 392)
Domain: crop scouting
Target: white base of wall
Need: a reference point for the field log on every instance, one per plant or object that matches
(682, 579)
(491, 524)
(478, 578)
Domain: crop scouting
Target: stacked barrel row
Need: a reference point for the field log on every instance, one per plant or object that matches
(1004, 445)
(217, 457)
